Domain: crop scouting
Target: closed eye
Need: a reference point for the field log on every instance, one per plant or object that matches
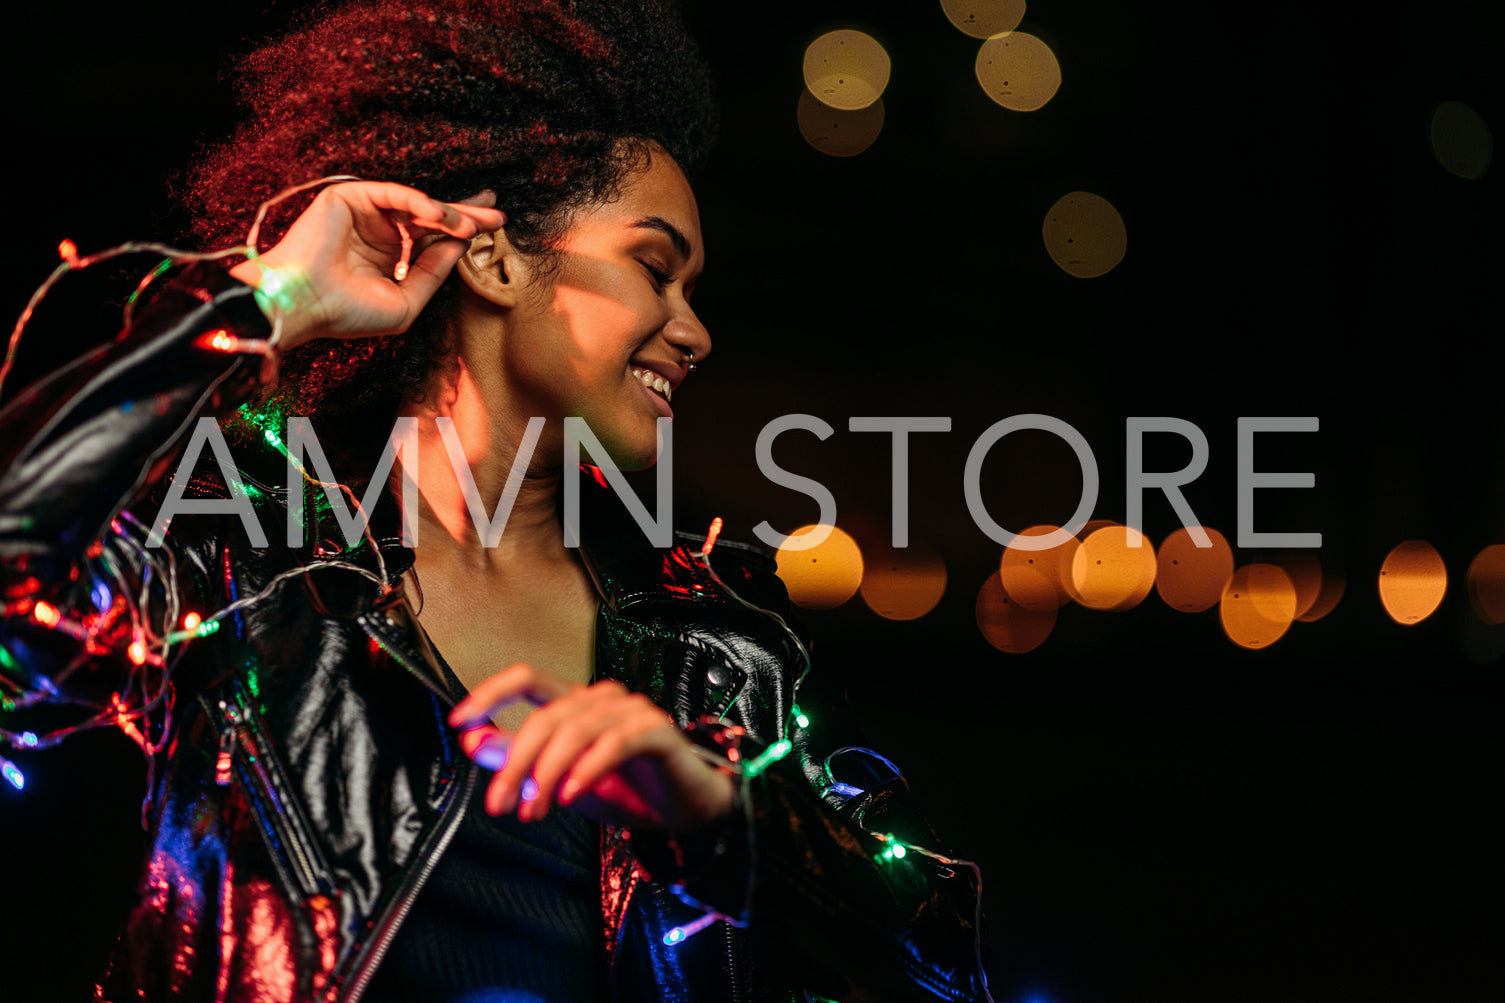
(661, 276)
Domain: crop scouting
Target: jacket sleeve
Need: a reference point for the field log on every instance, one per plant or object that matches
(833, 870)
(78, 447)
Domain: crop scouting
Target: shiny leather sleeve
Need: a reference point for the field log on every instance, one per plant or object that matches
(77, 446)
(801, 862)
(80, 445)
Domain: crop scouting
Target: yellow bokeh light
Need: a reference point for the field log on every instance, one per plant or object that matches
(838, 133)
(1486, 584)
(903, 584)
(1258, 605)
(1084, 235)
(846, 69)
(1191, 578)
(1018, 71)
(1413, 580)
(1036, 579)
(1113, 569)
(1461, 141)
(823, 576)
(984, 18)
(1007, 625)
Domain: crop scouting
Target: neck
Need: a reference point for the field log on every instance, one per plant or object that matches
(466, 452)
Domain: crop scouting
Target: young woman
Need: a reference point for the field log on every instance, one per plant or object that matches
(441, 759)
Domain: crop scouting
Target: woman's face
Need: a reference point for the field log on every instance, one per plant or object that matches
(606, 331)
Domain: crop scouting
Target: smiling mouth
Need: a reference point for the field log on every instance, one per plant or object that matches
(654, 382)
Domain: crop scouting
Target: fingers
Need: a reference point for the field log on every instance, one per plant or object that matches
(547, 743)
(463, 219)
(580, 737)
(649, 731)
(487, 745)
(516, 682)
(626, 727)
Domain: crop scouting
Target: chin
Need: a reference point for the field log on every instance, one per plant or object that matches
(626, 457)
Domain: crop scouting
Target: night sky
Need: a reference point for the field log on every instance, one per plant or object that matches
(1159, 814)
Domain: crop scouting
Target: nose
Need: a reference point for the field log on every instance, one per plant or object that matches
(686, 333)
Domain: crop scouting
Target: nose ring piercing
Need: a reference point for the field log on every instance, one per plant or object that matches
(690, 359)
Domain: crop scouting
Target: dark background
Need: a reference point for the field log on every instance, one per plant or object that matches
(1160, 815)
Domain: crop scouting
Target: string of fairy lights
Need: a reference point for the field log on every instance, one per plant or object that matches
(108, 615)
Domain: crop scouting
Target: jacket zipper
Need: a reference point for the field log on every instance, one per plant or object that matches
(371, 954)
(731, 962)
(402, 902)
(237, 728)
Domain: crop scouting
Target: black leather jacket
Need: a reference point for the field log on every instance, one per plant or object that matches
(309, 784)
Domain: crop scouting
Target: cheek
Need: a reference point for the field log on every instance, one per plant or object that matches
(597, 327)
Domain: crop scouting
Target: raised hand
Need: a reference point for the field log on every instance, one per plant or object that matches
(604, 751)
(335, 272)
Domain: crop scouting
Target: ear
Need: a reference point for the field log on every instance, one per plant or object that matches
(494, 269)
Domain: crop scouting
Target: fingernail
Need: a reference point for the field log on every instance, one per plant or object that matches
(496, 800)
(530, 789)
(568, 791)
(492, 755)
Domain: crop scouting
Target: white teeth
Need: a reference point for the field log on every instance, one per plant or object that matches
(653, 381)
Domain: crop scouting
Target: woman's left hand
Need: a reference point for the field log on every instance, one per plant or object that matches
(608, 753)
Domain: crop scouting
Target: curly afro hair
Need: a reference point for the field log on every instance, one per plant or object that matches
(549, 104)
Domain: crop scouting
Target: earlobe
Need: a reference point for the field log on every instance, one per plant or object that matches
(492, 268)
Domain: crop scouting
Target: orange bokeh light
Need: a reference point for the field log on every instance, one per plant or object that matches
(1333, 585)
(1413, 581)
(1007, 625)
(1486, 584)
(1113, 569)
(1036, 579)
(903, 584)
(1306, 575)
(1191, 578)
(823, 576)
(1258, 605)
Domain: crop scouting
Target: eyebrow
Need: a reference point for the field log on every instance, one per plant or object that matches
(679, 240)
